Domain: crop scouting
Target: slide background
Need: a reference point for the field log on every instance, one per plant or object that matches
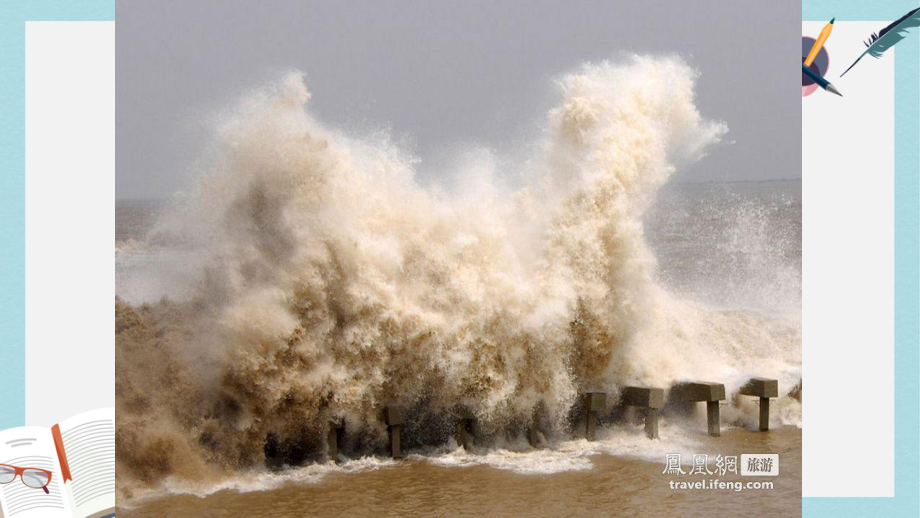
(906, 229)
(70, 219)
(848, 261)
(906, 265)
(13, 18)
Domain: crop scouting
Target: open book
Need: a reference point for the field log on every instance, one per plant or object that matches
(80, 454)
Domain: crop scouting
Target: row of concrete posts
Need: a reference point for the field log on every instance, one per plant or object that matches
(682, 397)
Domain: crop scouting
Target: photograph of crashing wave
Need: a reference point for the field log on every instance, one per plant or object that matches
(457, 259)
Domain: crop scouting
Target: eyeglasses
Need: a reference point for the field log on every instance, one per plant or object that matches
(31, 477)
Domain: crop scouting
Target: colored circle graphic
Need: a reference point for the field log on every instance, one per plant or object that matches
(818, 66)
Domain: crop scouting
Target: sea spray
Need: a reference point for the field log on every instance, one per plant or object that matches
(329, 282)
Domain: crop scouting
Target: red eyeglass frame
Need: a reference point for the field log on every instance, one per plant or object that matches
(18, 473)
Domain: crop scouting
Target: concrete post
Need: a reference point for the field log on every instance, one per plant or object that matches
(591, 425)
(712, 418)
(764, 389)
(595, 402)
(334, 438)
(538, 418)
(462, 433)
(533, 436)
(651, 423)
(395, 441)
(332, 444)
(630, 415)
(764, 414)
(395, 417)
(464, 429)
(696, 391)
(649, 398)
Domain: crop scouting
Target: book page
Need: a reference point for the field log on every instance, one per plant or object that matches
(32, 447)
(89, 447)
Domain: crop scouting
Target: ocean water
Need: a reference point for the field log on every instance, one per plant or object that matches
(730, 244)
(579, 481)
(308, 276)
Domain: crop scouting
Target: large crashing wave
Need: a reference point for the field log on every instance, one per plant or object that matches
(332, 283)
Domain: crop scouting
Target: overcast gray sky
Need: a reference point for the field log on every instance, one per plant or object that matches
(443, 74)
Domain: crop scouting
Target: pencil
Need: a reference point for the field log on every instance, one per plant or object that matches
(825, 32)
(823, 83)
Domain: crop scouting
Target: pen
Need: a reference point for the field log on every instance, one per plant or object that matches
(823, 83)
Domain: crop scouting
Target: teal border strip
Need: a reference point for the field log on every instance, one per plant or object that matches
(13, 15)
(906, 267)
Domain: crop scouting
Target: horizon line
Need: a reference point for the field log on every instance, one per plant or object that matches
(706, 182)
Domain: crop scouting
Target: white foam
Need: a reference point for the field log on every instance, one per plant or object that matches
(568, 455)
(263, 480)
(517, 460)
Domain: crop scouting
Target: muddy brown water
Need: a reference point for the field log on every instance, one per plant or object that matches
(614, 486)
